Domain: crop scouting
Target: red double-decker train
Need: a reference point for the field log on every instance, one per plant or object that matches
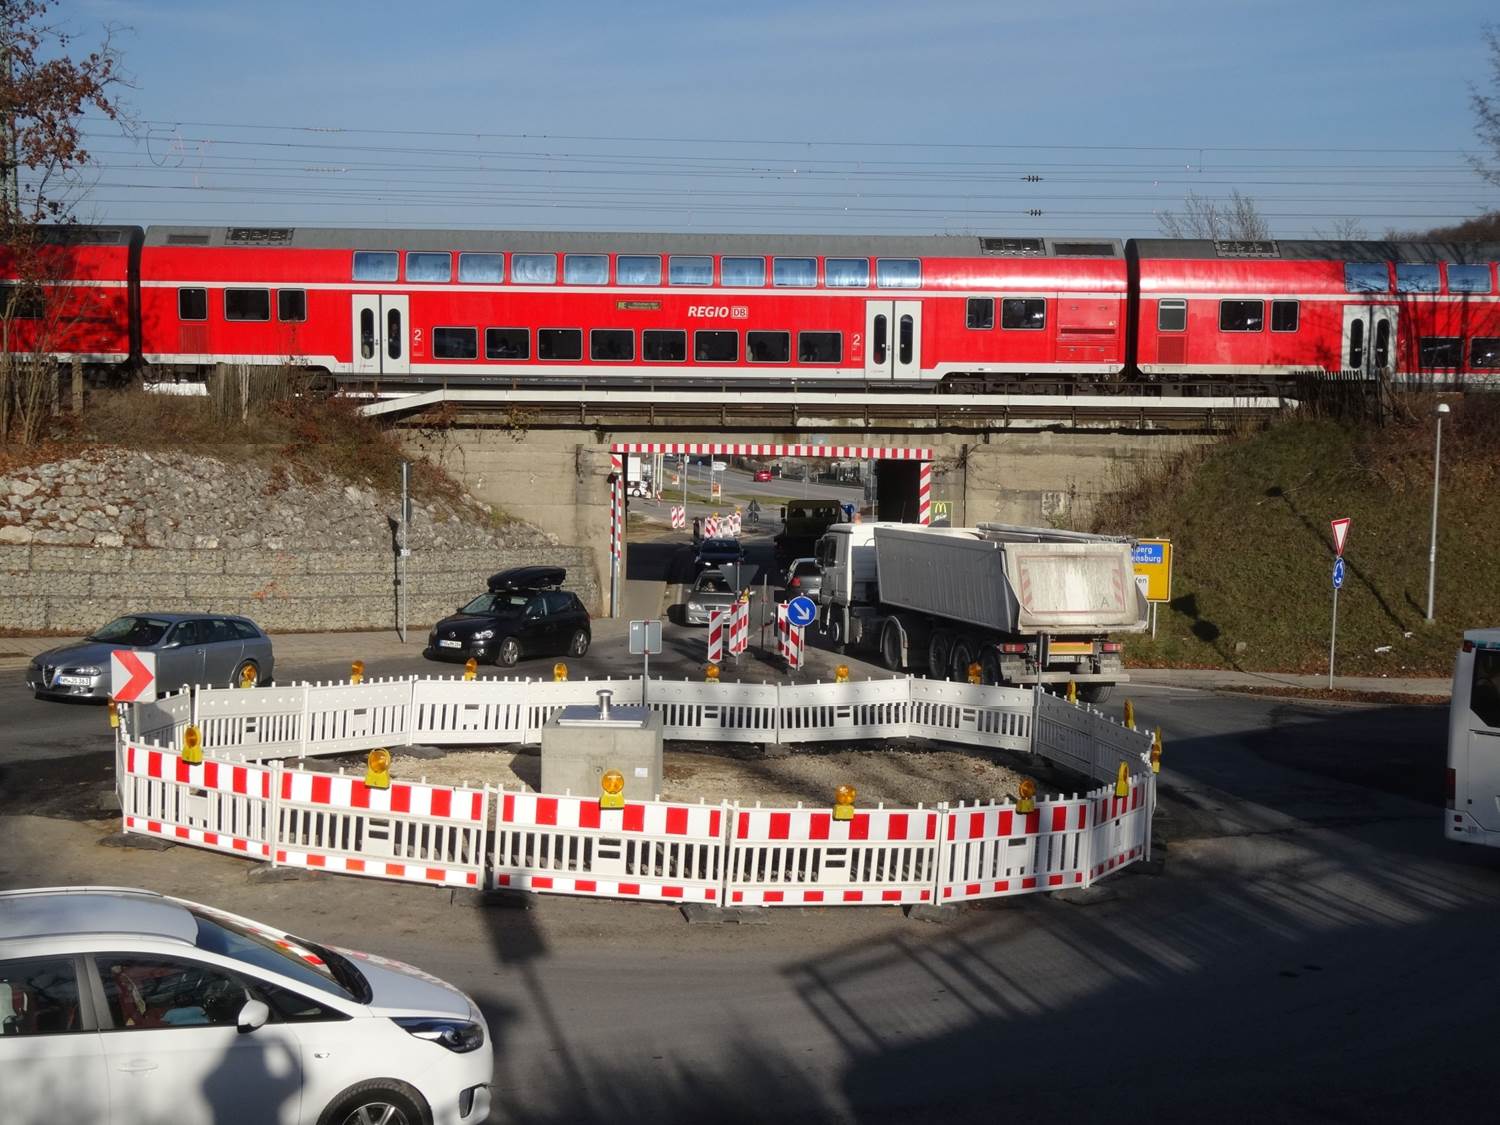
(952, 312)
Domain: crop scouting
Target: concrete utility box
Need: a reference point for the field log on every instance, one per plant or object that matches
(581, 742)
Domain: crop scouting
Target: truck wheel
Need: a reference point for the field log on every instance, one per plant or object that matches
(834, 631)
(989, 667)
(891, 645)
(1094, 693)
(939, 646)
(959, 660)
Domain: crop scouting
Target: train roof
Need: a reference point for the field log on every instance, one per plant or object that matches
(1316, 249)
(601, 242)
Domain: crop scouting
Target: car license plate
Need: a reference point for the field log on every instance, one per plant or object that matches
(450, 644)
(73, 681)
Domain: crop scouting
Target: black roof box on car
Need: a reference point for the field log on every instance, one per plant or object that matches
(527, 578)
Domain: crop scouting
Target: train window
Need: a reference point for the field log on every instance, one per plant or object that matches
(981, 313)
(585, 269)
(664, 346)
(631, 269)
(1416, 278)
(1366, 277)
(820, 347)
(1023, 312)
(1381, 352)
(1440, 351)
(716, 347)
(1171, 315)
(907, 338)
(898, 273)
(558, 343)
(393, 334)
(612, 343)
(1468, 279)
(192, 304)
(291, 304)
(742, 271)
(429, 267)
(847, 273)
(247, 304)
(796, 273)
(22, 302)
(533, 269)
(367, 333)
(481, 269)
(1242, 316)
(683, 269)
(455, 343)
(1484, 351)
(1285, 316)
(768, 347)
(507, 343)
(1357, 344)
(375, 265)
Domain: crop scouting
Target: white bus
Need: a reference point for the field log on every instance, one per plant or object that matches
(1473, 814)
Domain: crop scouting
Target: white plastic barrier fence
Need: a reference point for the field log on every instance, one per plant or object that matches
(804, 857)
(646, 850)
(972, 714)
(215, 804)
(161, 721)
(346, 717)
(706, 712)
(829, 712)
(1086, 741)
(993, 850)
(1121, 826)
(268, 722)
(412, 832)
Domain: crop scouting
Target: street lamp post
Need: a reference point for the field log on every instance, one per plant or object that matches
(1437, 468)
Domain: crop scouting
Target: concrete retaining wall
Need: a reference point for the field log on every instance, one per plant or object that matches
(74, 589)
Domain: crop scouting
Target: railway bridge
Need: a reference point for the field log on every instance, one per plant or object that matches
(555, 457)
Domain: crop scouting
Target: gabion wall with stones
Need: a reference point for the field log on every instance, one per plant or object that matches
(112, 532)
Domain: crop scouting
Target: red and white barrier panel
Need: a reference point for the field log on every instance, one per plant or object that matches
(679, 516)
(1121, 826)
(732, 528)
(804, 857)
(645, 850)
(739, 628)
(711, 527)
(213, 804)
(788, 639)
(412, 832)
(994, 850)
(718, 621)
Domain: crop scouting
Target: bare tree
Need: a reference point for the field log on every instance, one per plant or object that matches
(1201, 217)
(44, 93)
(1487, 112)
(1347, 229)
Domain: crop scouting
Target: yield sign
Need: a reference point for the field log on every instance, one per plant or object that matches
(132, 676)
(1340, 533)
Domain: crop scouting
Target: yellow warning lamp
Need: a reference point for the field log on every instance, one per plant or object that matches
(357, 672)
(1130, 713)
(843, 802)
(249, 676)
(841, 674)
(1026, 796)
(1072, 692)
(1122, 781)
(114, 714)
(559, 673)
(975, 673)
(711, 674)
(192, 745)
(1156, 751)
(612, 790)
(378, 769)
(471, 668)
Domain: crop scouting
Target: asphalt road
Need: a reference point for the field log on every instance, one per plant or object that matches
(1313, 951)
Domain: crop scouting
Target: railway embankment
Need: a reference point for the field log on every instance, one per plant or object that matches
(1253, 552)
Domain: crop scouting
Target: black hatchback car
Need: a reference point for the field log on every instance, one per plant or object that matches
(524, 613)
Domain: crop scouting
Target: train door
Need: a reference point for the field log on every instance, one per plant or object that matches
(381, 334)
(893, 340)
(1369, 339)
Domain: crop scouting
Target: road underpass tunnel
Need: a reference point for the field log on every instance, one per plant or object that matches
(898, 490)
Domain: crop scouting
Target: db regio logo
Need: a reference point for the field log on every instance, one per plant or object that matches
(720, 312)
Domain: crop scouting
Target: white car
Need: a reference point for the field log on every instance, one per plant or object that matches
(127, 1006)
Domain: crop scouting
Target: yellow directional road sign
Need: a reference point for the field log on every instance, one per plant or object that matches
(1153, 568)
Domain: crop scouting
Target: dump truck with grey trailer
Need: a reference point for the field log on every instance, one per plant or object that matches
(1027, 605)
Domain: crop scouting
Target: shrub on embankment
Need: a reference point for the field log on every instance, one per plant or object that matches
(1249, 522)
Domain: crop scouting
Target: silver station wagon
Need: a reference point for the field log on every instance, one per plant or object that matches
(191, 648)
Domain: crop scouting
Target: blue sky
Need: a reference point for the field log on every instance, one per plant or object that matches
(844, 117)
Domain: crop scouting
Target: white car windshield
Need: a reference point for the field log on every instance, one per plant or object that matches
(132, 631)
(278, 953)
(713, 583)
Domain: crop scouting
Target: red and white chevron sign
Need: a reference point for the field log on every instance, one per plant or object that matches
(788, 639)
(739, 628)
(679, 516)
(718, 619)
(132, 676)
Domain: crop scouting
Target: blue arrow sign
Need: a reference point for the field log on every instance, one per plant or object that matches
(801, 612)
(1338, 573)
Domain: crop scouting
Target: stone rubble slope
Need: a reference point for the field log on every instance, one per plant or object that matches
(127, 498)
